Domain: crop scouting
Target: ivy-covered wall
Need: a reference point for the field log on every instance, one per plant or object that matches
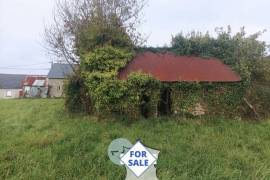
(98, 90)
(136, 96)
(215, 99)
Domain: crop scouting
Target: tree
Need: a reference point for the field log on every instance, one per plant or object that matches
(83, 29)
(82, 25)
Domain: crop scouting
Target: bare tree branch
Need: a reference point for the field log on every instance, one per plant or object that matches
(73, 16)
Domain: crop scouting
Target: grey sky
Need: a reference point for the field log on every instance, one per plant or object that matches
(22, 24)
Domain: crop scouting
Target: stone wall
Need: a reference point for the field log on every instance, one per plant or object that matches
(56, 87)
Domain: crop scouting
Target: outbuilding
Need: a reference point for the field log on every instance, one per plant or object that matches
(188, 72)
(35, 86)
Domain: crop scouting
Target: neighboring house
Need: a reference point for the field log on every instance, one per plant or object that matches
(35, 86)
(56, 77)
(11, 85)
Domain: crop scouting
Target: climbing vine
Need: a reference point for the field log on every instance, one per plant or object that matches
(111, 95)
(216, 99)
(98, 86)
(140, 94)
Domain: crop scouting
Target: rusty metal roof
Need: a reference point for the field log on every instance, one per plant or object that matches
(171, 68)
(35, 80)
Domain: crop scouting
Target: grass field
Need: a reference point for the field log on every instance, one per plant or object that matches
(39, 140)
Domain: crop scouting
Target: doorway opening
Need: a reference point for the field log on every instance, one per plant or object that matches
(165, 104)
(145, 109)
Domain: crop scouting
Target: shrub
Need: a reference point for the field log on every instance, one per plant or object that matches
(258, 93)
(76, 96)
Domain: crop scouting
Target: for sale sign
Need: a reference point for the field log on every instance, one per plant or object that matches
(138, 159)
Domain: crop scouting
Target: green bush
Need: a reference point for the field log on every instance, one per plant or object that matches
(108, 93)
(258, 93)
(231, 48)
(105, 60)
(76, 98)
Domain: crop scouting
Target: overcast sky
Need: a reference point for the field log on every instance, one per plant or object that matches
(22, 26)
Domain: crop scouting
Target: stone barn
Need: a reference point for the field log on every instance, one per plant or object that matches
(58, 73)
(187, 72)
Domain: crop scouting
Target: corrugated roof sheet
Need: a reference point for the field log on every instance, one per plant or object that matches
(60, 71)
(171, 68)
(39, 83)
(31, 80)
(11, 81)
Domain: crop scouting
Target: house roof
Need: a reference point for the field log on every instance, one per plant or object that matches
(35, 80)
(171, 68)
(60, 71)
(11, 81)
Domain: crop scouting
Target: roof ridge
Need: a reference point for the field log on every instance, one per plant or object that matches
(177, 55)
(13, 74)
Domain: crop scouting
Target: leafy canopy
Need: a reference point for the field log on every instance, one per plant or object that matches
(232, 49)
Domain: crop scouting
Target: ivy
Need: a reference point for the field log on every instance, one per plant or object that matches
(106, 59)
(141, 93)
(216, 98)
(108, 93)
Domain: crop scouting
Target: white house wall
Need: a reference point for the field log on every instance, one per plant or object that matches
(15, 93)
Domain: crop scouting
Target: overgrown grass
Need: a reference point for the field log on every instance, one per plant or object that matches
(39, 140)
